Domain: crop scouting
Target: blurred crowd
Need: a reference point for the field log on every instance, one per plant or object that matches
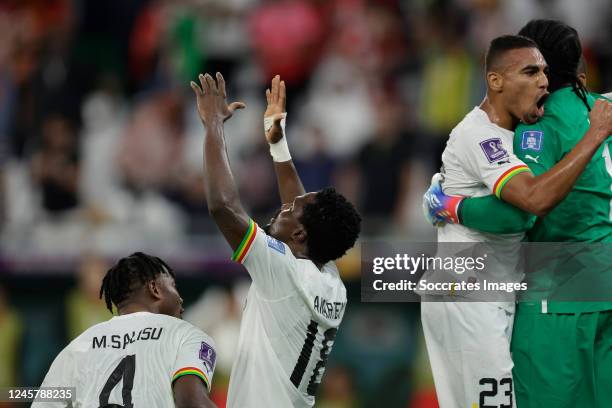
(101, 146)
(99, 136)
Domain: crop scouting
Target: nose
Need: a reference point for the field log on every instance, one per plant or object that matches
(543, 80)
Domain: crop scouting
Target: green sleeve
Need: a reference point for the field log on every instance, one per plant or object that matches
(489, 214)
(539, 145)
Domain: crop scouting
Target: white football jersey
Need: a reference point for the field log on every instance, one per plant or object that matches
(132, 361)
(478, 160)
(288, 327)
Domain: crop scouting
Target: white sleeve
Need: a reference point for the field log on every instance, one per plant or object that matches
(269, 261)
(487, 158)
(59, 375)
(196, 356)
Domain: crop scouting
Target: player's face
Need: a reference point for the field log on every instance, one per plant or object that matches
(287, 219)
(525, 83)
(171, 301)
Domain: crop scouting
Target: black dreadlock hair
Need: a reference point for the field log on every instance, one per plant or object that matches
(128, 274)
(332, 225)
(560, 46)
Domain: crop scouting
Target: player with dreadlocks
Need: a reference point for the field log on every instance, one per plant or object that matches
(561, 349)
(159, 359)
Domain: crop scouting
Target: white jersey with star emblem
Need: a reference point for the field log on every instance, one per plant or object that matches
(132, 361)
(479, 160)
(288, 327)
(469, 342)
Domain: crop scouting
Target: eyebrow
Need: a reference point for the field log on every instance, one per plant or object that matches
(533, 67)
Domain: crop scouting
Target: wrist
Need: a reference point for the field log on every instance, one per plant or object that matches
(280, 151)
(599, 134)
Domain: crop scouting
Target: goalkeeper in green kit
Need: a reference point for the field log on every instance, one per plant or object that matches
(562, 351)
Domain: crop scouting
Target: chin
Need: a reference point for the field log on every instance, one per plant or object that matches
(530, 120)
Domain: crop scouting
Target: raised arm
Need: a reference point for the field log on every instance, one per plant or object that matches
(289, 183)
(540, 194)
(221, 191)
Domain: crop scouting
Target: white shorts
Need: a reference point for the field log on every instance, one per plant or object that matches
(469, 350)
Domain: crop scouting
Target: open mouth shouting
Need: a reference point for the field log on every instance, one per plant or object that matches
(540, 104)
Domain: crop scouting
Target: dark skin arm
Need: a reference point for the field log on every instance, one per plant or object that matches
(289, 183)
(221, 192)
(190, 392)
(540, 194)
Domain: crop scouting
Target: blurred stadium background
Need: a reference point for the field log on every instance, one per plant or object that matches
(100, 153)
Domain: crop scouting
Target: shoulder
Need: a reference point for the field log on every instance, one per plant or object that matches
(324, 280)
(476, 126)
(85, 337)
(179, 327)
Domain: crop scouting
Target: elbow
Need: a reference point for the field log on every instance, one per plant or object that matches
(539, 206)
(219, 205)
(219, 210)
(222, 210)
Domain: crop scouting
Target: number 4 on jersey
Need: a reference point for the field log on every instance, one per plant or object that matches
(126, 370)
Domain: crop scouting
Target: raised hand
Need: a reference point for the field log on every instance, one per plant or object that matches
(601, 118)
(275, 111)
(212, 106)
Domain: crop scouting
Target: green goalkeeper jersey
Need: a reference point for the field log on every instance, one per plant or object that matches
(585, 215)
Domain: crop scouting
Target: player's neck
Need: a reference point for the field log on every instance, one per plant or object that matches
(300, 253)
(497, 114)
(134, 308)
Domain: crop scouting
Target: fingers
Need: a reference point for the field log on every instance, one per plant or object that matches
(282, 95)
(212, 86)
(196, 88)
(203, 83)
(221, 84)
(208, 84)
(268, 96)
(236, 105)
(275, 88)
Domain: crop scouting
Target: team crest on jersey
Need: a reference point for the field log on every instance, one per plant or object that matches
(493, 149)
(275, 244)
(532, 140)
(208, 356)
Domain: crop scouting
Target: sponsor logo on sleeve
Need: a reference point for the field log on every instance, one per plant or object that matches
(532, 140)
(493, 149)
(208, 356)
(275, 244)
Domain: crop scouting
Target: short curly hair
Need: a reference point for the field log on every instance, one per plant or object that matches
(332, 225)
(130, 273)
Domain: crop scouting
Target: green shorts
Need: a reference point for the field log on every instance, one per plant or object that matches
(562, 360)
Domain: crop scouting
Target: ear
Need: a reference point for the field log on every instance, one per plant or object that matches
(154, 290)
(299, 235)
(495, 81)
